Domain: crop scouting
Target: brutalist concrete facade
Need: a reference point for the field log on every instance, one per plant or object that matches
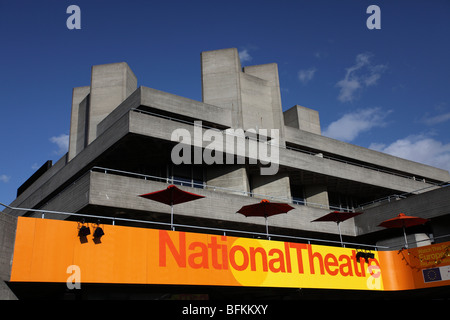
(120, 147)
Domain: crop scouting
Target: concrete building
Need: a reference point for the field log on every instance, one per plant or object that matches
(121, 144)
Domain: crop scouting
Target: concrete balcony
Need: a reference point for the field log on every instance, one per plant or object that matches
(109, 194)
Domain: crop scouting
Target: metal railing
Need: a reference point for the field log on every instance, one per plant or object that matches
(203, 185)
(395, 197)
(190, 227)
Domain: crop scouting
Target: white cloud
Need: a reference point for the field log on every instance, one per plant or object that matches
(4, 178)
(350, 125)
(362, 74)
(419, 148)
(62, 141)
(436, 119)
(244, 56)
(348, 89)
(306, 75)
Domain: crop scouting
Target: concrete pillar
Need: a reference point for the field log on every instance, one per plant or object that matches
(111, 84)
(221, 81)
(78, 121)
(276, 186)
(303, 118)
(270, 107)
(232, 177)
(253, 96)
(316, 196)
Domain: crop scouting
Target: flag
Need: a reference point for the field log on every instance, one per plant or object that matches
(433, 274)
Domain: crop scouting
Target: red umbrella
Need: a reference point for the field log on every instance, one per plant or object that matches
(403, 221)
(265, 209)
(171, 196)
(338, 217)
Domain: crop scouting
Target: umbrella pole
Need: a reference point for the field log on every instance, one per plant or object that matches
(340, 234)
(267, 228)
(171, 217)
(406, 240)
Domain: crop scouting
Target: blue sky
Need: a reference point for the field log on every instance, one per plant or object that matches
(386, 89)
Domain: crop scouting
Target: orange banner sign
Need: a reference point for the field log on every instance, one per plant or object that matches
(50, 251)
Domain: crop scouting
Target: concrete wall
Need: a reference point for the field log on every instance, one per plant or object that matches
(72, 199)
(8, 226)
